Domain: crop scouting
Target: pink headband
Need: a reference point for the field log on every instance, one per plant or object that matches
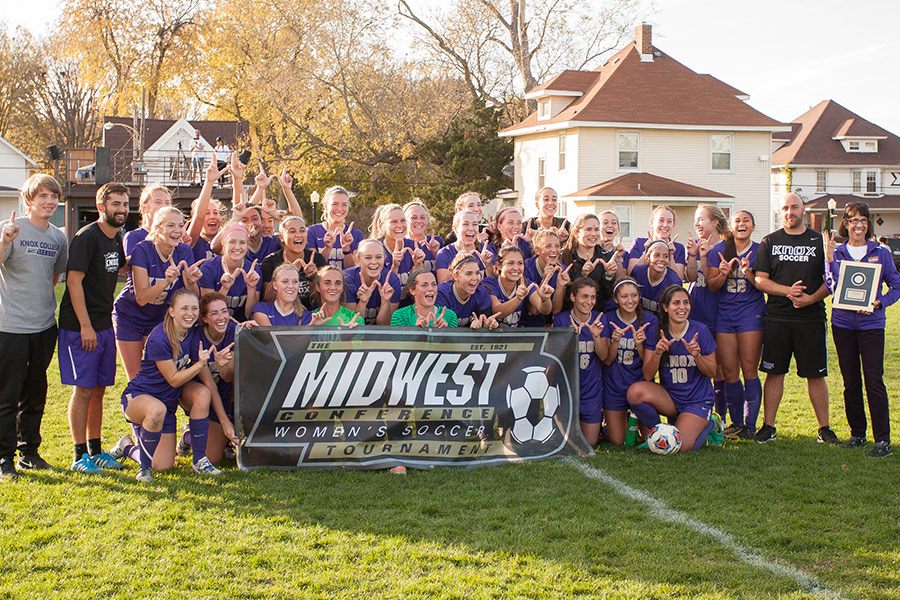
(235, 228)
(504, 212)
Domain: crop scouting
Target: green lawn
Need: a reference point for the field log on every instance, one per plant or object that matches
(535, 530)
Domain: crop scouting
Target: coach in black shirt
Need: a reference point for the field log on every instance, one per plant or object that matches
(790, 269)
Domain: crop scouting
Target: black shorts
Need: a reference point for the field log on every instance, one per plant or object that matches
(805, 340)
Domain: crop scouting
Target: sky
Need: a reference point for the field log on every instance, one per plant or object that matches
(788, 55)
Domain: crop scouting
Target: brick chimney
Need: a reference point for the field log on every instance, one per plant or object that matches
(643, 41)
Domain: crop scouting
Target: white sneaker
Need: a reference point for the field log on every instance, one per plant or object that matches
(144, 475)
(204, 467)
(118, 451)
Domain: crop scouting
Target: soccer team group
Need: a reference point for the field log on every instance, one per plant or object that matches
(663, 328)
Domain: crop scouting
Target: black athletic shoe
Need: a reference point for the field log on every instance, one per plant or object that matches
(827, 436)
(765, 434)
(854, 442)
(732, 430)
(746, 433)
(7, 469)
(880, 450)
(33, 462)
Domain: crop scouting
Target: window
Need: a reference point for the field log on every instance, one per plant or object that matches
(854, 146)
(857, 182)
(544, 109)
(720, 150)
(629, 145)
(623, 213)
(871, 147)
(562, 151)
(871, 182)
(821, 180)
(542, 172)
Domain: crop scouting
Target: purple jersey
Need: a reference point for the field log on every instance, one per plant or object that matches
(315, 239)
(225, 388)
(651, 291)
(740, 303)
(278, 318)
(522, 243)
(135, 237)
(430, 258)
(403, 271)
(267, 246)
(202, 250)
(478, 303)
(351, 287)
(590, 381)
(150, 380)
(446, 255)
(533, 275)
(704, 303)
(146, 256)
(678, 371)
(637, 251)
(496, 290)
(236, 296)
(628, 368)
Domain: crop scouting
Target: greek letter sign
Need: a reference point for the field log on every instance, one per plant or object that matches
(374, 398)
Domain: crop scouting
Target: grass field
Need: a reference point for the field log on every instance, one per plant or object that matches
(790, 519)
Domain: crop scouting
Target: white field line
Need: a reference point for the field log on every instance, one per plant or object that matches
(662, 511)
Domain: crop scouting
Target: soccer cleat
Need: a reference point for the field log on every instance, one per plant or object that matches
(765, 434)
(643, 446)
(33, 462)
(854, 441)
(827, 436)
(715, 437)
(144, 475)
(118, 451)
(204, 467)
(105, 460)
(732, 430)
(880, 450)
(229, 452)
(86, 465)
(746, 433)
(8, 469)
(183, 448)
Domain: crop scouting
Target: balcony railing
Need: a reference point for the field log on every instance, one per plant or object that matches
(170, 168)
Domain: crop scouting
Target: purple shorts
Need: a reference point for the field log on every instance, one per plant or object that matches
(86, 369)
(701, 409)
(590, 412)
(613, 403)
(170, 423)
(131, 332)
(739, 325)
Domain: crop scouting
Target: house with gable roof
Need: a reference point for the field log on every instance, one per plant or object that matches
(833, 153)
(643, 130)
(15, 167)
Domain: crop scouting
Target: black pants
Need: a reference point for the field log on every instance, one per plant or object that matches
(24, 359)
(851, 346)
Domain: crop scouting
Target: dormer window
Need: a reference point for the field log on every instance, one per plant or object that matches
(854, 146)
(544, 108)
(860, 145)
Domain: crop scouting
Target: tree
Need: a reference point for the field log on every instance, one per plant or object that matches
(65, 108)
(503, 48)
(20, 68)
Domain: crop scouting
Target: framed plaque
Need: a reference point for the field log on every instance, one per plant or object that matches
(857, 285)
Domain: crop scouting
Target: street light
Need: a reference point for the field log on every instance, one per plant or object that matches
(314, 198)
(832, 204)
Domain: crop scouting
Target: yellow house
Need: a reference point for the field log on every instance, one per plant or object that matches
(643, 130)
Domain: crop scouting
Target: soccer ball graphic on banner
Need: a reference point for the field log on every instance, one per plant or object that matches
(533, 406)
(664, 439)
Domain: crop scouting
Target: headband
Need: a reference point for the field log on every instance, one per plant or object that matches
(505, 211)
(235, 228)
(654, 243)
(621, 281)
(468, 259)
(291, 218)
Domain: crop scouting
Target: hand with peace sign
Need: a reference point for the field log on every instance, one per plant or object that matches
(386, 289)
(589, 266)
(725, 266)
(486, 256)
(595, 327)
(261, 180)
(285, 179)
(397, 255)
(10, 230)
(440, 322)
(545, 290)
(236, 168)
(522, 289)
(575, 324)
(746, 267)
(692, 246)
(639, 335)
(434, 244)
(192, 273)
(270, 207)
(213, 173)
(347, 239)
(563, 279)
(172, 271)
(364, 293)
(618, 333)
(203, 354)
(239, 210)
(561, 231)
(611, 266)
(353, 322)
(703, 248)
(671, 245)
(828, 239)
(422, 321)
(528, 236)
(251, 276)
(224, 356)
(663, 344)
(317, 318)
(227, 280)
(482, 238)
(329, 239)
(418, 256)
(693, 347)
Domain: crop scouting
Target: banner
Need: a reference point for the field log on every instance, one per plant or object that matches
(375, 398)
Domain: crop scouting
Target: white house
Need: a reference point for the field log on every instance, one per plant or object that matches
(832, 152)
(15, 168)
(643, 130)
